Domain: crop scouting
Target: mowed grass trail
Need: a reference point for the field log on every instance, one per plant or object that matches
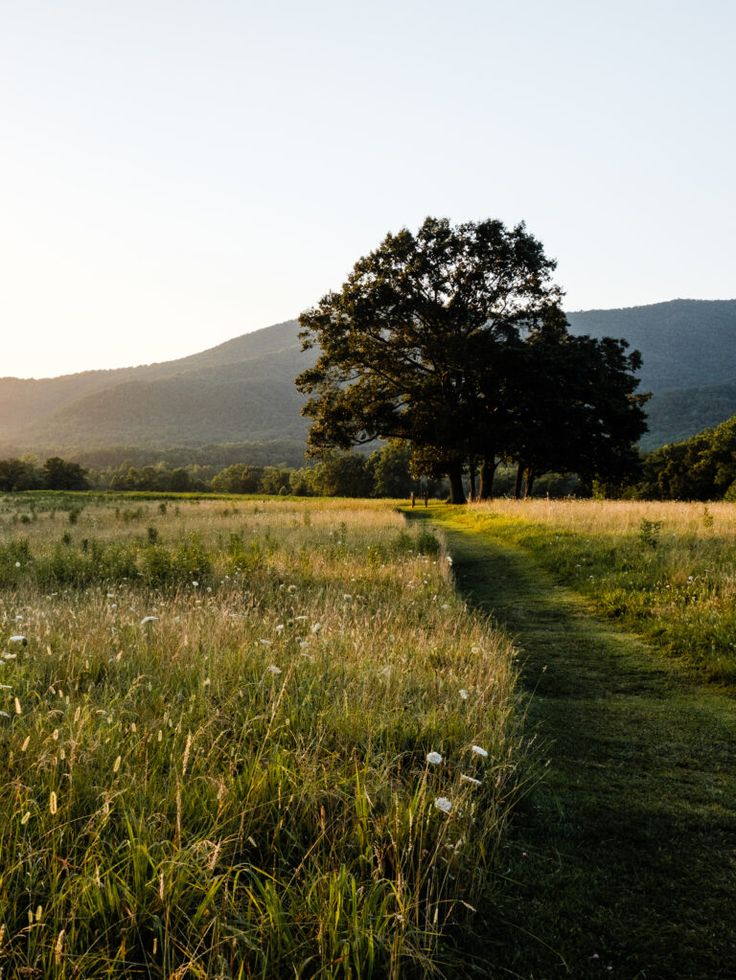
(622, 859)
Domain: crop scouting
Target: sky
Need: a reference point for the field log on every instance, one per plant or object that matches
(175, 173)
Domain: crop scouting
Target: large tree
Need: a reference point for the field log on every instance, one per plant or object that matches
(413, 345)
(577, 410)
(454, 341)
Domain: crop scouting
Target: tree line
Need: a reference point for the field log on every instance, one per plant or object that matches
(383, 473)
(700, 468)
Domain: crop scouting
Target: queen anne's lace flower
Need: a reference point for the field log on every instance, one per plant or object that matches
(469, 779)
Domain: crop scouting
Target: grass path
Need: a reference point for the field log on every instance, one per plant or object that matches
(622, 859)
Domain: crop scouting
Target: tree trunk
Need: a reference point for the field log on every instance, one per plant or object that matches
(455, 476)
(519, 479)
(487, 473)
(472, 470)
(529, 486)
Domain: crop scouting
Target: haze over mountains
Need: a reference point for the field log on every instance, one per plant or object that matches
(242, 392)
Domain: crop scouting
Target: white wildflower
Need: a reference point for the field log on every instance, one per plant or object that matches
(434, 757)
(477, 750)
(469, 779)
(18, 638)
(273, 669)
(442, 803)
(316, 627)
(149, 619)
(463, 694)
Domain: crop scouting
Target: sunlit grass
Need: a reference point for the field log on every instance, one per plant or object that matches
(665, 569)
(215, 741)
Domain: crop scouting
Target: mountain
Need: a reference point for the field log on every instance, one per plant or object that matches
(242, 392)
(688, 349)
(684, 343)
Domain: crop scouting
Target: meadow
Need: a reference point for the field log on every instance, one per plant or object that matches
(618, 859)
(243, 738)
(664, 570)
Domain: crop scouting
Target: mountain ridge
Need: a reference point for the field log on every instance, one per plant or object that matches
(242, 390)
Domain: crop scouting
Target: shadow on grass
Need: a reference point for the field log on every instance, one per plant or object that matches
(622, 860)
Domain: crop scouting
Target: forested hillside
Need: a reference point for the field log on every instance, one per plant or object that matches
(242, 391)
(689, 360)
(702, 467)
(239, 392)
(684, 343)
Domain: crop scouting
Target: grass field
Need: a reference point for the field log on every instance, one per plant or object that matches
(218, 723)
(621, 860)
(665, 570)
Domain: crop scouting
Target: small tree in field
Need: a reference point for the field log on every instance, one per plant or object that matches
(58, 474)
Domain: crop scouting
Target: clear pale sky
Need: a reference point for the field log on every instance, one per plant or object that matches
(174, 174)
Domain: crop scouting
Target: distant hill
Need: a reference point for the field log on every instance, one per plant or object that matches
(242, 391)
(689, 360)
(685, 342)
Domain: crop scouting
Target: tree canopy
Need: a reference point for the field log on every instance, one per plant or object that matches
(453, 340)
(702, 467)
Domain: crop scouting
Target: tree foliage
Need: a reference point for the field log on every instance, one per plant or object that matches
(59, 474)
(55, 474)
(453, 340)
(700, 468)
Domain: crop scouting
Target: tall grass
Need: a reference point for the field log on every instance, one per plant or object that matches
(667, 570)
(214, 742)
